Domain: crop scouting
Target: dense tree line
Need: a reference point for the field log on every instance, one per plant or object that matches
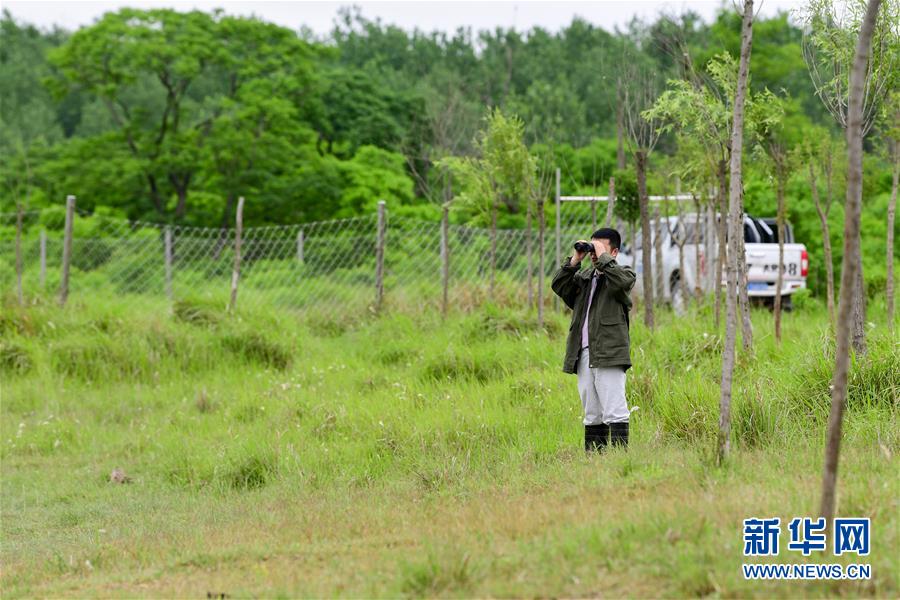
(168, 116)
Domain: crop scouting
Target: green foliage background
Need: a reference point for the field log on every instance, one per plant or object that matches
(169, 116)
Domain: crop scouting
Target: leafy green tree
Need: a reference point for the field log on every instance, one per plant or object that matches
(890, 125)
(766, 118)
(501, 175)
(167, 78)
(830, 50)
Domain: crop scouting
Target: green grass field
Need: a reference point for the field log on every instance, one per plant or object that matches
(277, 455)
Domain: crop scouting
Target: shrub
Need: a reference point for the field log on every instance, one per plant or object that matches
(196, 312)
(256, 348)
(250, 472)
(802, 300)
(14, 358)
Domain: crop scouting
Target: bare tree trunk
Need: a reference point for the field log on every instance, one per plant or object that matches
(826, 242)
(735, 234)
(640, 166)
(743, 296)
(850, 261)
(723, 223)
(779, 281)
(859, 310)
(892, 211)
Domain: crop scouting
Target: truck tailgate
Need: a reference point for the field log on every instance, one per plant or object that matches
(762, 261)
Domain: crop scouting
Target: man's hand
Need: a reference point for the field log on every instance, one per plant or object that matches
(600, 247)
(577, 256)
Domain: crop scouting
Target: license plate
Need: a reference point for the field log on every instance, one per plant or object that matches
(755, 286)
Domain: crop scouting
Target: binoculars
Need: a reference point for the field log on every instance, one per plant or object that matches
(584, 247)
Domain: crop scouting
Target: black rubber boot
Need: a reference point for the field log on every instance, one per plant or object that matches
(618, 434)
(596, 437)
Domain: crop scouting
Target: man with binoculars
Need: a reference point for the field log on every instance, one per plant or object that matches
(598, 346)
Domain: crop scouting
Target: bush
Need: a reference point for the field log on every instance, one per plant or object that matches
(92, 253)
(196, 312)
(250, 472)
(256, 348)
(14, 358)
(802, 300)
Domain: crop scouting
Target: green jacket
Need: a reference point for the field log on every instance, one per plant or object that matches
(609, 343)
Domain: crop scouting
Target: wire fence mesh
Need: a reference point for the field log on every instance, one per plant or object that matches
(309, 265)
(302, 266)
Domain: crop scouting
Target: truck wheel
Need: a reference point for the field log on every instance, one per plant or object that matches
(786, 304)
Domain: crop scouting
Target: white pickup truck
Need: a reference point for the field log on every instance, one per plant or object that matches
(761, 242)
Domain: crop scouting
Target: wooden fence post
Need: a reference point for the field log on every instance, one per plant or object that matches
(379, 257)
(445, 257)
(558, 234)
(611, 201)
(300, 246)
(236, 272)
(167, 236)
(19, 253)
(67, 251)
(43, 279)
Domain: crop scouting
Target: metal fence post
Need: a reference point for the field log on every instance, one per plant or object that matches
(236, 272)
(379, 257)
(67, 251)
(558, 234)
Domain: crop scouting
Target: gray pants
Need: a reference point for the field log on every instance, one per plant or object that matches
(602, 391)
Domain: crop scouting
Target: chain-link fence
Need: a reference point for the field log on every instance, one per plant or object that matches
(320, 264)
